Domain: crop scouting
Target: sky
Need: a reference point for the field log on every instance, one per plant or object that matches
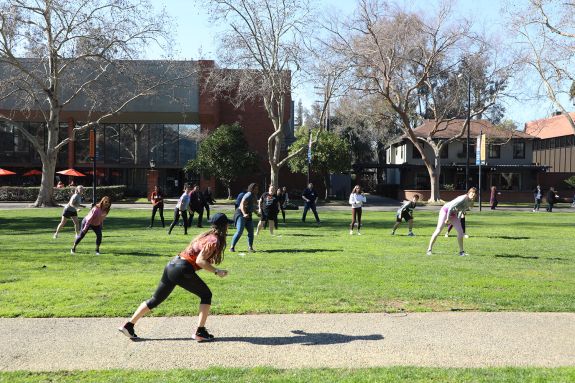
(196, 39)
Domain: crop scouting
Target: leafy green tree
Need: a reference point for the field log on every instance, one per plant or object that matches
(225, 155)
(330, 154)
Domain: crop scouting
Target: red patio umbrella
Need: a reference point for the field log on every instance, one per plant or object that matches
(71, 172)
(4, 172)
(33, 172)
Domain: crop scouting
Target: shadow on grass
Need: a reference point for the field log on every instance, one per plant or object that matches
(506, 237)
(141, 254)
(302, 235)
(298, 251)
(302, 337)
(527, 257)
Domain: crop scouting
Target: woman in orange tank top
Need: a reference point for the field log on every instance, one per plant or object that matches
(205, 251)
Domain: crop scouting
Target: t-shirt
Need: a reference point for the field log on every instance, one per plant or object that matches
(209, 243)
(407, 208)
(269, 203)
(183, 202)
(356, 200)
(74, 203)
(310, 195)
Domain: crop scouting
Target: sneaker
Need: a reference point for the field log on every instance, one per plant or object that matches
(55, 235)
(465, 236)
(358, 233)
(72, 251)
(428, 252)
(446, 235)
(393, 232)
(97, 253)
(251, 250)
(351, 232)
(202, 335)
(462, 254)
(128, 330)
(232, 249)
(410, 234)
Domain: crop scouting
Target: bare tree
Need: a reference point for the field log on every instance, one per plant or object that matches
(546, 30)
(59, 55)
(264, 39)
(403, 58)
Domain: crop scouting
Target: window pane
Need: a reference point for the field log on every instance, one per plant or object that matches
(189, 135)
(63, 153)
(82, 147)
(112, 147)
(444, 151)
(171, 144)
(127, 153)
(142, 133)
(518, 149)
(6, 142)
(156, 143)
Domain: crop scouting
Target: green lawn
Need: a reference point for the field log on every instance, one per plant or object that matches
(519, 261)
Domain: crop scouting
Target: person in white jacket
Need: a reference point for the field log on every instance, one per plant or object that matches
(356, 200)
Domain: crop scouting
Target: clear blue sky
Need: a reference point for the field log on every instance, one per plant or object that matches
(195, 38)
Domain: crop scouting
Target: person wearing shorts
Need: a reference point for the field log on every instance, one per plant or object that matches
(451, 213)
(203, 252)
(269, 210)
(71, 211)
(405, 212)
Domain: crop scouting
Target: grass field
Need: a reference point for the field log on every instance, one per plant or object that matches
(519, 261)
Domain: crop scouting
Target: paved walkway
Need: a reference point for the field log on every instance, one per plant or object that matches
(462, 339)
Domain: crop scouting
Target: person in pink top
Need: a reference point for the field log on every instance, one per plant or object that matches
(94, 221)
(205, 251)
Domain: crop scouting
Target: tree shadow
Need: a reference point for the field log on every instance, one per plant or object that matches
(142, 254)
(506, 237)
(303, 338)
(301, 235)
(298, 251)
(527, 257)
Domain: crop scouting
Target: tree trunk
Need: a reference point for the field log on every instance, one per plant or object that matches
(229, 192)
(46, 195)
(434, 183)
(326, 184)
(274, 175)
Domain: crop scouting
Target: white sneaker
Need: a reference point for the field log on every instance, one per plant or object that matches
(393, 232)
(462, 254)
(358, 233)
(428, 252)
(465, 236)
(72, 251)
(351, 232)
(446, 235)
(55, 235)
(97, 253)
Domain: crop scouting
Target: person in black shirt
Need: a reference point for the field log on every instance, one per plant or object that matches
(208, 200)
(196, 205)
(310, 197)
(269, 209)
(551, 199)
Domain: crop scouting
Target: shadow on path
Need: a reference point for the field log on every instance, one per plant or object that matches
(303, 338)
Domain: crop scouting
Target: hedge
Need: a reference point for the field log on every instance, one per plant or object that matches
(29, 194)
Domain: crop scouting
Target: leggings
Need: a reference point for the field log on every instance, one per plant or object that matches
(453, 219)
(355, 212)
(177, 213)
(462, 219)
(96, 229)
(283, 214)
(155, 208)
(179, 272)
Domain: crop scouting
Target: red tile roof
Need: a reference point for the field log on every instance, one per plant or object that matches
(551, 127)
(452, 128)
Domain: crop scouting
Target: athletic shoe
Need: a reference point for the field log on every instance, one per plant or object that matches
(358, 233)
(462, 254)
(351, 232)
(232, 249)
(72, 251)
(446, 235)
(128, 330)
(55, 235)
(410, 234)
(97, 253)
(393, 232)
(251, 250)
(202, 335)
(428, 252)
(465, 236)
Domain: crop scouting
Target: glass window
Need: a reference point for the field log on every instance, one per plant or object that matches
(156, 134)
(63, 153)
(82, 146)
(189, 135)
(494, 151)
(171, 144)
(6, 141)
(141, 141)
(112, 146)
(518, 149)
(444, 151)
(127, 145)
(415, 154)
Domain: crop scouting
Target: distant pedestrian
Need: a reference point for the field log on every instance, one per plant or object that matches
(538, 196)
(208, 200)
(451, 212)
(243, 217)
(71, 211)
(552, 199)
(356, 200)
(310, 197)
(197, 205)
(269, 210)
(157, 199)
(493, 202)
(95, 221)
(182, 209)
(205, 251)
(405, 212)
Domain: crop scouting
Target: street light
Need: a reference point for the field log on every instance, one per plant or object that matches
(468, 122)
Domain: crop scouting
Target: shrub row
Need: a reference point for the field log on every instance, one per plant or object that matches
(29, 194)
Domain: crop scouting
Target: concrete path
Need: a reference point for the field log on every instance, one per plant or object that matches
(465, 339)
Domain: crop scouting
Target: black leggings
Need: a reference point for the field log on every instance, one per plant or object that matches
(179, 272)
(177, 213)
(155, 208)
(355, 212)
(96, 229)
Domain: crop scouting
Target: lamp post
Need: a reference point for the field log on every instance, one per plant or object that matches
(468, 121)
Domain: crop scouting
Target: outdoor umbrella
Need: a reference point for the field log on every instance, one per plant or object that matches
(33, 172)
(4, 172)
(71, 172)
